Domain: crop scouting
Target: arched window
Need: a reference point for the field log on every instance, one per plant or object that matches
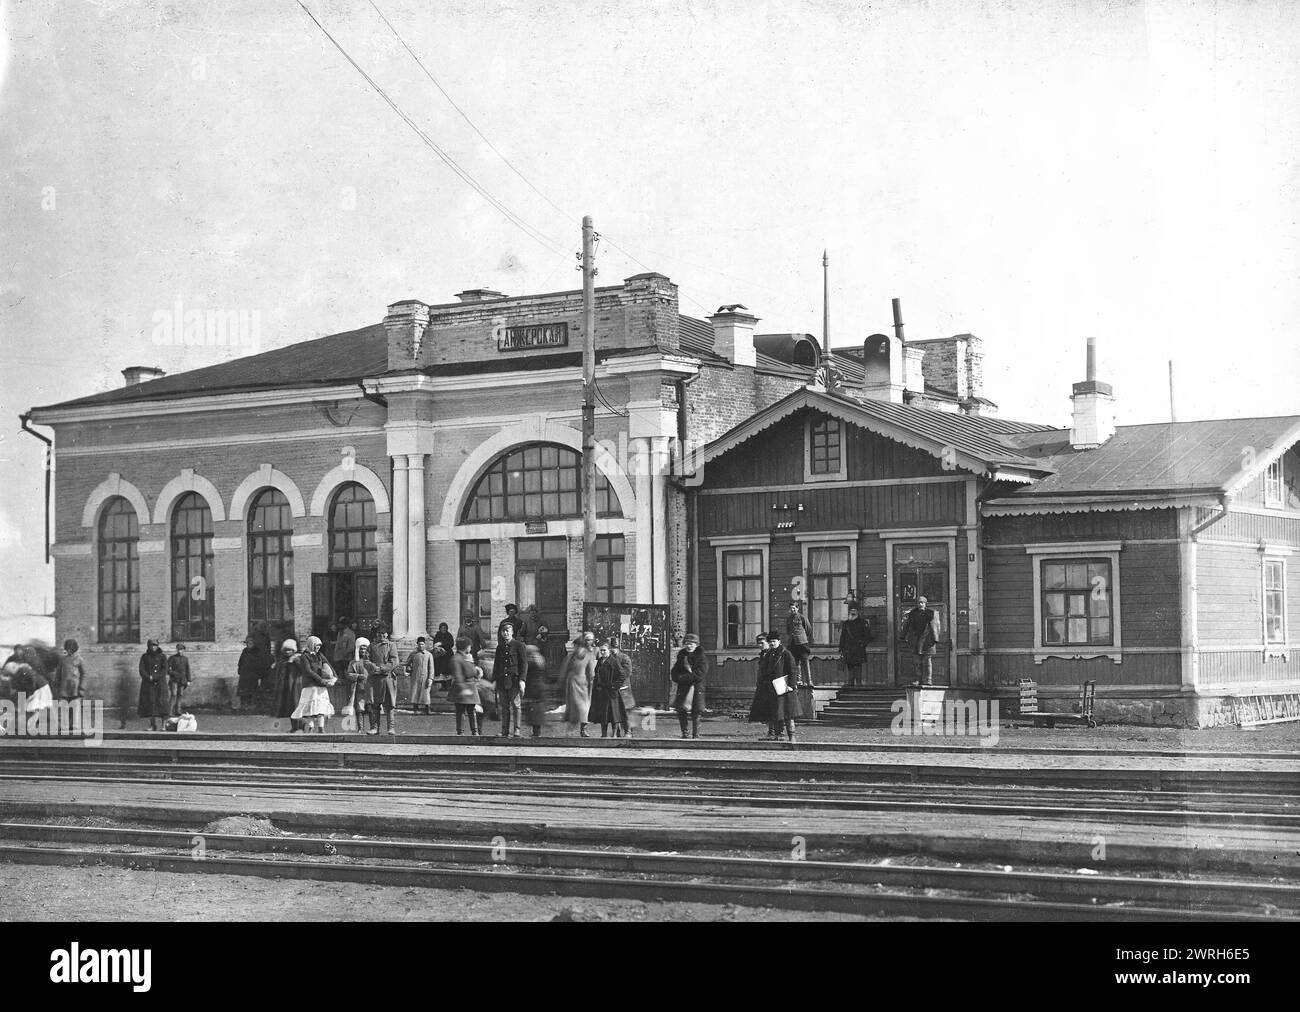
(542, 481)
(351, 587)
(270, 564)
(193, 607)
(119, 573)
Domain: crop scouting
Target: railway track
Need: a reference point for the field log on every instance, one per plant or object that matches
(871, 889)
(1116, 805)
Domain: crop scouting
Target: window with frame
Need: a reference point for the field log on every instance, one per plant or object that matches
(742, 597)
(1076, 602)
(538, 482)
(476, 581)
(194, 615)
(119, 573)
(825, 446)
(1274, 601)
(829, 576)
(352, 529)
(1274, 489)
(270, 560)
(610, 569)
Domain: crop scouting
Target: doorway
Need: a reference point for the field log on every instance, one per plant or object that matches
(921, 571)
(353, 594)
(542, 580)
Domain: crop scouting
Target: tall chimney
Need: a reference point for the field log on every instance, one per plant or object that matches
(826, 302)
(137, 374)
(1094, 407)
(1173, 406)
(898, 320)
(733, 334)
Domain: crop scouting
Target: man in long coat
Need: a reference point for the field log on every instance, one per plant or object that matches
(855, 634)
(153, 684)
(921, 633)
(381, 686)
(762, 710)
(689, 674)
(780, 663)
(420, 667)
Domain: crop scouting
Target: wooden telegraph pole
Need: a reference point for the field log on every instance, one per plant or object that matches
(588, 411)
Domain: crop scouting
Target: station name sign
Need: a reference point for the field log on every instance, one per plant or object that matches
(542, 335)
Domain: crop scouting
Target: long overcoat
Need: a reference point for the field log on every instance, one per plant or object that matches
(153, 684)
(762, 710)
(606, 703)
(690, 671)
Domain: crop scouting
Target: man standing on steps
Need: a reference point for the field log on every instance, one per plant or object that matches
(855, 634)
(510, 673)
(921, 633)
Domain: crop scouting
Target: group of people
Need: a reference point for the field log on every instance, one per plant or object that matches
(38, 673)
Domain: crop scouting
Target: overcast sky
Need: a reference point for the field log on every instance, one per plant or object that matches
(1034, 173)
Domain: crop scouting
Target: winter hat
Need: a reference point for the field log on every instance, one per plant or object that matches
(361, 642)
(690, 638)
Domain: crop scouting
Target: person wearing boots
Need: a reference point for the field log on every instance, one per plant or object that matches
(178, 678)
(360, 670)
(855, 635)
(464, 687)
(153, 684)
(420, 667)
(288, 685)
(624, 662)
(381, 686)
(781, 664)
(763, 708)
(606, 703)
(799, 637)
(689, 673)
(578, 674)
(510, 672)
(921, 633)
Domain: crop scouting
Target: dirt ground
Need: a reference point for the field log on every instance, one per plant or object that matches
(36, 893)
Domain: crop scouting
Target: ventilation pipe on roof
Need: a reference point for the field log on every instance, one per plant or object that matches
(137, 374)
(733, 334)
(479, 295)
(1094, 407)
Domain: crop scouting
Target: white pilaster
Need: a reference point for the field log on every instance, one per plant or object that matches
(416, 613)
(642, 465)
(659, 505)
(401, 514)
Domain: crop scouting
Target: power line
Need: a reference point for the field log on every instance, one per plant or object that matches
(465, 115)
(533, 233)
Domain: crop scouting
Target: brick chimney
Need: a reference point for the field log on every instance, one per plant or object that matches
(733, 334)
(1094, 407)
(882, 363)
(137, 374)
(405, 325)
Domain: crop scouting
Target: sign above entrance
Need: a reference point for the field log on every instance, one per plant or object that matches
(542, 335)
(535, 527)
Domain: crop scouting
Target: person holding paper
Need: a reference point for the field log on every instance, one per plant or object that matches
(689, 672)
(762, 710)
(783, 672)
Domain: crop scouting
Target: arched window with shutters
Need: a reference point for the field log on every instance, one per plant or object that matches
(119, 573)
(540, 481)
(270, 564)
(351, 587)
(193, 598)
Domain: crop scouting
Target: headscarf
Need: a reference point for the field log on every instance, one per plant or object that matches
(313, 644)
(361, 642)
(291, 644)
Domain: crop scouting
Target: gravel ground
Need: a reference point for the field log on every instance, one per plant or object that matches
(35, 893)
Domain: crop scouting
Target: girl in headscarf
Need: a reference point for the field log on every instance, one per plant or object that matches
(153, 685)
(288, 686)
(358, 676)
(314, 706)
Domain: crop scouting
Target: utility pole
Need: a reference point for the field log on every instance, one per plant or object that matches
(588, 411)
(826, 302)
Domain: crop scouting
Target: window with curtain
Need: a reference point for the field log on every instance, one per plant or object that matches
(1076, 602)
(829, 576)
(119, 573)
(193, 597)
(742, 597)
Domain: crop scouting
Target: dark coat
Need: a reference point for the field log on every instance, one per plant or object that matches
(798, 629)
(442, 663)
(153, 685)
(606, 704)
(690, 671)
(311, 670)
(854, 638)
(288, 686)
(252, 669)
(625, 665)
(921, 630)
(539, 694)
(381, 686)
(509, 665)
(464, 680)
(357, 676)
(763, 709)
(780, 663)
(178, 669)
(72, 676)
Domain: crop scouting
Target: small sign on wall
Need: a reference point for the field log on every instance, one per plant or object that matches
(542, 335)
(535, 527)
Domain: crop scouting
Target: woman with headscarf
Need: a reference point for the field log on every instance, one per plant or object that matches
(360, 671)
(579, 672)
(688, 674)
(153, 685)
(314, 706)
(444, 649)
(24, 678)
(288, 685)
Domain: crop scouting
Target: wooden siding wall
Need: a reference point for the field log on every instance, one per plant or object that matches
(830, 507)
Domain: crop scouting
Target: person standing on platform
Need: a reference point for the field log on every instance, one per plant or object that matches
(444, 649)
(381, 687)
(358, 674)
(510, 673)
(288, 685)
(855, 635)
(252, 671)
(624, 662)
(314, 707)
(535, 694)
(72, 671)
(781, 665)
(420, 667)
(464, 687)
(178, 678)
(470, 630)
(153, 684)
(921, 633)
(762, 710)
(689, 674)
(606, 704)
(799, 636)
(514, 620)
(579, 672)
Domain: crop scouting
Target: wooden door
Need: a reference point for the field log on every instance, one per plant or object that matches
(921, 571)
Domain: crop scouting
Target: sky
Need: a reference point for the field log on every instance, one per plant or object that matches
(1034, 173)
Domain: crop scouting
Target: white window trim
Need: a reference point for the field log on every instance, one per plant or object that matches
(810, 541)
(1081, 549)
(1278, 501)
(740, 544)
(840, 475)
(1272, 649)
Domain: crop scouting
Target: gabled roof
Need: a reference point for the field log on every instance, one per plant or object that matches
(1210, 457)
(972, 438)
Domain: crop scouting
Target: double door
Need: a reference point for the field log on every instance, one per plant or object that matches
(542, 580)
(921, 571)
